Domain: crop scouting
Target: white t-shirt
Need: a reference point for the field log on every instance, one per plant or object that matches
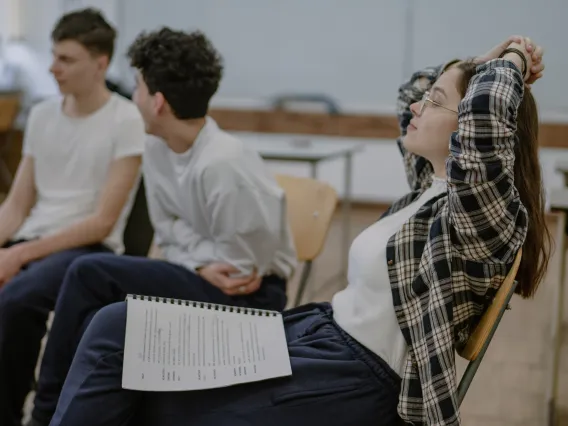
(365, 308)
(72, 158)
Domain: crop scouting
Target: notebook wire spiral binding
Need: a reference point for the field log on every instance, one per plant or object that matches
(206, 305)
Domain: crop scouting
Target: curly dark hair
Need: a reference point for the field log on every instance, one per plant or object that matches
(87, 27)
(184, 67)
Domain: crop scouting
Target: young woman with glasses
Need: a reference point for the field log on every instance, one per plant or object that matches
(419, 279)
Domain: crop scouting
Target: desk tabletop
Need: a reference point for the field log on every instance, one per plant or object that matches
(293, 147)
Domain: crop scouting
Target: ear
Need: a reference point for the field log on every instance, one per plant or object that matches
(103, 62)
(160, 103)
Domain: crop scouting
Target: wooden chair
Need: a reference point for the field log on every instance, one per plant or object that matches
(310, 207)
(478, 342)
(9, 109)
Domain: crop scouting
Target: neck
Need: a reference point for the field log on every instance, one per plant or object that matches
(180, 135)
(81, 104)
(440, 169)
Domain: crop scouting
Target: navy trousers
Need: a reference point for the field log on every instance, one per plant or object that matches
(335, 382)
(98, 280)
(25, 303)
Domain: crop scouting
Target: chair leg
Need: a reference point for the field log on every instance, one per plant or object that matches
(303, 281)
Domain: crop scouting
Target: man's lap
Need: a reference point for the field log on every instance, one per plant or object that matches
(39, 281)
(160, 278)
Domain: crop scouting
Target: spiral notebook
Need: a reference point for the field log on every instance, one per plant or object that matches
(178, 345)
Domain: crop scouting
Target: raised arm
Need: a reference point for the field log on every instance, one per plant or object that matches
(418, 169)
(488, 220)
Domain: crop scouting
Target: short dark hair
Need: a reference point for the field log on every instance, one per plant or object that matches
(87, 27)
(184, 67)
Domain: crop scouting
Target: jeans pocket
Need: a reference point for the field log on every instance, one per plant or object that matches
(305, 396)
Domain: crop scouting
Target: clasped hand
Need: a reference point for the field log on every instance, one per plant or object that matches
(219, 274)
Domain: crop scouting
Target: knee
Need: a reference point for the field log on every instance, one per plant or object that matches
(13, 299)
(87, 267)
(109, 322)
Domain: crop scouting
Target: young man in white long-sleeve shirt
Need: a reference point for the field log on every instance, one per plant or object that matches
(219, 216)
(71, 195)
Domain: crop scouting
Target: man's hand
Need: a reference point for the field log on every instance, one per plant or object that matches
(219, 274)
(10, 264)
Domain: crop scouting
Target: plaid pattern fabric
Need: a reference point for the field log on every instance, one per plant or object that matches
(447, 262)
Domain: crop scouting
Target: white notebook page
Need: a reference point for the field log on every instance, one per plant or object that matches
(188, 346)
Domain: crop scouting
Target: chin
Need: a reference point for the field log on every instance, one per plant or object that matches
(412, 144)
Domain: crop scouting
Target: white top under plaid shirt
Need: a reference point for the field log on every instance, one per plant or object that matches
(448, 260)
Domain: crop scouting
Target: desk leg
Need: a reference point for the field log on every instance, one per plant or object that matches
(346, 213)
(558, 323)
(313, 170)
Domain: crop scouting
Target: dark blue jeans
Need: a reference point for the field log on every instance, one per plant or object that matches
(335, 382)
(25, 303)
(96, 281)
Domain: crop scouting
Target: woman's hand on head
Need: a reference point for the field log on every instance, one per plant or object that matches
(496, 51)
(537, 68)
(533, 54)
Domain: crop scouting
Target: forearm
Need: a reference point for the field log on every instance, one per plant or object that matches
(487, 215)
(89, 231)
(11, 220)
(485, 141)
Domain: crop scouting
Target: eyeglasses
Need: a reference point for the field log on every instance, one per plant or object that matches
(426, 100)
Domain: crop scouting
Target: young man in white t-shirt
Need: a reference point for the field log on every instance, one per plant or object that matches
(219, 215)
(71, 196)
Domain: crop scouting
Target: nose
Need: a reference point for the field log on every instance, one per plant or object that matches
(55, 69)
(415, 108)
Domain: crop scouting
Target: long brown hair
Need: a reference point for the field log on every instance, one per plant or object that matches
(528, 181)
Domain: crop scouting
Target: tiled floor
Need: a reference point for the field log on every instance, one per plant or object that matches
(510, 387)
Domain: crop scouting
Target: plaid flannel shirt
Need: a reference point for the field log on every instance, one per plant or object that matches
(447, 261)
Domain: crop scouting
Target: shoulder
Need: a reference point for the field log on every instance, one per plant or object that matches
(123, 110)
(154, 144)
(155, 152)
(46, 109)
(226, 156)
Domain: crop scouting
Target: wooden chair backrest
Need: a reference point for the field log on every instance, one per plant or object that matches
(9, 108)
(492, 316)
(310, 205)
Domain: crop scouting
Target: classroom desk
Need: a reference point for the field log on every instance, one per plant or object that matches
(558, 203)
(313, 150)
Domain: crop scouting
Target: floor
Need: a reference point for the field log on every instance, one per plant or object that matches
(510, 387)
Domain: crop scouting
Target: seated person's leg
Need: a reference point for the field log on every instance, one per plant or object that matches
(25, 303)
(335, 382)
(95, 281)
